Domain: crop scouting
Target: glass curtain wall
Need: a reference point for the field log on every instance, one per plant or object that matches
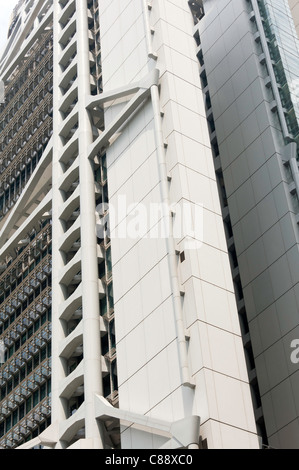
(284, 50)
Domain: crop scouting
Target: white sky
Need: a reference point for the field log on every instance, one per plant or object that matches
(6, 8)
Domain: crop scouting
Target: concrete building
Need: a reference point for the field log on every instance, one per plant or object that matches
(148, 233)
(145, 332)
(249, 67)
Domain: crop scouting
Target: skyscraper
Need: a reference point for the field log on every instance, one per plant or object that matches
(26, 129)
(148, 240)
(249, 68)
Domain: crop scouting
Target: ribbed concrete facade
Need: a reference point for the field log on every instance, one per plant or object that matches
(26, 260)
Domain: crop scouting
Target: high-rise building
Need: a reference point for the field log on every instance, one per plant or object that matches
(148, 232)
(25, 273)
(249, 56)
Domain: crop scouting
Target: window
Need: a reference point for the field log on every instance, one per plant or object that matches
(29, 367)
(9, 386)
(109, 262)
(8, 423)
(103, 306)
(43, 391)
(43, 354)
(110, 296)
(36, 360)
(15, 417)
(22, 411)
(28, 404)
(35, 398)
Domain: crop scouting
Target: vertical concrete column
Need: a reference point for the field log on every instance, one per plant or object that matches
(59, 411)
(89, 267)
(173, 275)
(162, 168)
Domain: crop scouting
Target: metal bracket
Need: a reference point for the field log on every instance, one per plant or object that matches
(141, 90)
(182, 433)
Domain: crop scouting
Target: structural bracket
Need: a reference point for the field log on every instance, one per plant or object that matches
(182, 433)
(141, 90)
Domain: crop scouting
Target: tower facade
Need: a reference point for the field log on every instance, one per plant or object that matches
(249, 59)
(26, 233)
(149, 237)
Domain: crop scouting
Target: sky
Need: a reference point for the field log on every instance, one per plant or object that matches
(6, 8)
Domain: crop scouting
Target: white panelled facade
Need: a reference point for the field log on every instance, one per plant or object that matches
(146, 343)
(149, 363)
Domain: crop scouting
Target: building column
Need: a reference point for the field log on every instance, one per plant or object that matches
(89, 265)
